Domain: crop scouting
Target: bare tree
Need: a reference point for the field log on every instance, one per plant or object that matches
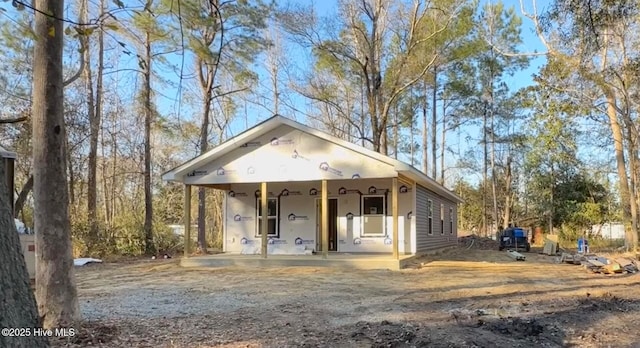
(94, 110)
(149, 114)
(360, 44)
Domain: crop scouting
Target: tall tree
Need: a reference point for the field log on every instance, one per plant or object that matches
(375, 40)
(225, 38)
(56, 292)
(94, 111)
(497, 27)
(552, 153)
(594, 38)
(149, 113)
(449, 47)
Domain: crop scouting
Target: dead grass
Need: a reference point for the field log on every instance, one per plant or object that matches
(463, 298)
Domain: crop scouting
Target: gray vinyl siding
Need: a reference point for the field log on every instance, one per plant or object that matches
(427, 242)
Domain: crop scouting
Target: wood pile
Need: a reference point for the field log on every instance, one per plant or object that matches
(477, 242)
(600, 264)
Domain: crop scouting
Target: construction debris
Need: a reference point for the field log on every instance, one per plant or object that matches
(550, 245)
(516, 255)
(600, 264)
(570, 258)
(628, 265)
(476, 242)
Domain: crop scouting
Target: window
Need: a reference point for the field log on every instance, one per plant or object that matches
(430, 215)
(272, 216)
(450, 220)
(373, 216)
(441, 218)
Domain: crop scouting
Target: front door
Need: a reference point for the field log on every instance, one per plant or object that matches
(333, 224)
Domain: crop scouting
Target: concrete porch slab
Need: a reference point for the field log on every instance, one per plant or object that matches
(335, 260)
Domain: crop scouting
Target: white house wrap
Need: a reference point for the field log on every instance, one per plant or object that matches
(294, 161)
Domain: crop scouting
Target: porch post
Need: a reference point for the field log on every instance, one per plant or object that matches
(187, 220)
(394, 212)
(264, 224)
(325, 220)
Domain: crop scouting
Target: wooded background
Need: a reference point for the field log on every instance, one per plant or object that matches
(150, 84)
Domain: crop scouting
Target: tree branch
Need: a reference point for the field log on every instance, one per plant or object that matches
(13, 120)
(78, 73)
(218, 95)
(22, 196)
(534, 18)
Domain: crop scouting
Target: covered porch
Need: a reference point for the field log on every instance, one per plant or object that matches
(324, 218)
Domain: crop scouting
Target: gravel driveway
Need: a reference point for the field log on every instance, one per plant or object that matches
(464, 298)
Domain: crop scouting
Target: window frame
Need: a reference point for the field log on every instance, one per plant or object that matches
(430, 217)
(450, 220)
(383, 214)
(276, 217)
(441, 218)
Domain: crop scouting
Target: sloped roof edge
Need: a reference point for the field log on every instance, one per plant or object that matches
(275, 121)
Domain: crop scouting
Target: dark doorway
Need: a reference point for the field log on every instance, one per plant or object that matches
(333, 225)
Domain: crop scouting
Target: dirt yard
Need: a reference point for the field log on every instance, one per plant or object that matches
(464, 298)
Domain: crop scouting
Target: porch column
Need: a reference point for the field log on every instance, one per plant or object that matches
(394, 212)
(187, 220)
(264, 224)
(325, 220)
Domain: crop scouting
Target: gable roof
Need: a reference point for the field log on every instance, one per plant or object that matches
(177, 173)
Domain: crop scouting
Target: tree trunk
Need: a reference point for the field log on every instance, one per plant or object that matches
(411, 139)
(485, 176)
(92, 188)
(207, 75)
(434, 125)
(493, 169)
(442, 141)
(362, 113)
(148, 116)
(396, 125)
(625, 195)
(17, 303)
(99, 98)
(274, 68)
(551, 200)
(384, 140)
(72, 178)
(106, 202)
(425, 135)
(114, 166)
(202, 197)
(55, 281)
(507, 189)
(633, 145)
